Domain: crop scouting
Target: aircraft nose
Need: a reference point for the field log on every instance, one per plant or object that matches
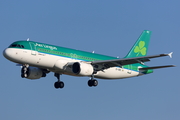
(8, 52)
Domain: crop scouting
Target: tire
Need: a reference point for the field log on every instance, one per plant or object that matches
(61, 85)
(95, 82)
(56, 85)
(90, 83)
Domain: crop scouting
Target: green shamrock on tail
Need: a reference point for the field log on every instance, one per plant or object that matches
(140, 49)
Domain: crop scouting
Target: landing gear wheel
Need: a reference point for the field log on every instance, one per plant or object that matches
(95, 82)
(92, 83)
(58, 85)
(61, 85)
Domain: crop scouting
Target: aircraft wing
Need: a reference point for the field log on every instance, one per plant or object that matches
(127, 61)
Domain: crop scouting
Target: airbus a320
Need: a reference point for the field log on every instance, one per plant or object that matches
(38, 59)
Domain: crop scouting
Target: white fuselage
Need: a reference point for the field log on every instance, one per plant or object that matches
(47, 61)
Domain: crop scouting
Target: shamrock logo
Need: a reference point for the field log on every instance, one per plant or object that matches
(140, 49)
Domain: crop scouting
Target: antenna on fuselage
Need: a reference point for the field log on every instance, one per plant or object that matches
(28, 39)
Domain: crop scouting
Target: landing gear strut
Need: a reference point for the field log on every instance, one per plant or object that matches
(58, 84)
(92, 82)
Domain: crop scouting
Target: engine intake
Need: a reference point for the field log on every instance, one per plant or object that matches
(82, 69)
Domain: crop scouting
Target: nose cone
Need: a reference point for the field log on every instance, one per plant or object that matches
(8, 53)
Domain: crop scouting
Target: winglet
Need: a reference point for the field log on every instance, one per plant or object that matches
(170, 54)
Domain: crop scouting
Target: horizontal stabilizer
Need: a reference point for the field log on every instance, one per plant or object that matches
(156, 67)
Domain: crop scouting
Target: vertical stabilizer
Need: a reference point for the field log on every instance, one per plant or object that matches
(140, 48)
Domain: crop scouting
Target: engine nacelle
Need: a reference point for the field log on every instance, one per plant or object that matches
(82, 69)
(32, 73)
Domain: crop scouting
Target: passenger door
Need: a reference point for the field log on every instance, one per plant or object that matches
(33, 48)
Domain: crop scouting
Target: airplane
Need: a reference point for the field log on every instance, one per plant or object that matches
(38, 59)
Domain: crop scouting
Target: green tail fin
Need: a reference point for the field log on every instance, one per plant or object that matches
(140, 48)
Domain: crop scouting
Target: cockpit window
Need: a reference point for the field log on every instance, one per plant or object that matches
(17, 46)
(13, 45)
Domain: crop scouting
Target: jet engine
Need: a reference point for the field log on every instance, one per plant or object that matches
(82, 69)
(32, 73)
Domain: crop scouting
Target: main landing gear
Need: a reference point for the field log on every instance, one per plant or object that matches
(58, 84)
(92, 82)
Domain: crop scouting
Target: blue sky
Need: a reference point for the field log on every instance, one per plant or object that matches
(106, 27)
